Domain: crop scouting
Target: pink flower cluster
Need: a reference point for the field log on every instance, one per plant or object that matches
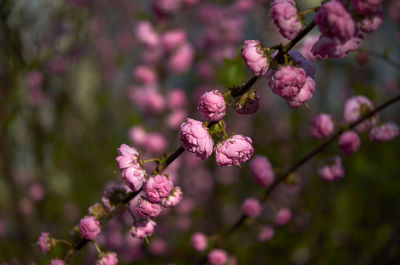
(196, 137)
(340, 31)
(294, 83)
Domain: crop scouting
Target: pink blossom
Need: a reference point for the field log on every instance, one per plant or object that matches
(199, 241)
(250, 106)
(156, 143)
(357, 106)
(266, 233)
(133, 177)
(128, 157)
(212, 105)
(305, 94)
(333, 48)
(349, 142)
(384, 132)
(284, 15)
(333, 171)
(174, 198)
(143, 229)
(262, 171)
(234, 151)
(195, 138)
(176, 118)
(137, 135)
(45, 242)
(283, 216)
(89, 227)
(177, 99)
(146, 208)
(365, 7)
(322, 125)
(37, 192)
(158, 187)
(254, 57)
(109, 258)
(57, 262)
(287, 81)
(182, 59)
(144, 74)
(251, 207)
(306, 47)
(371, 23)
(148, 99)
(166, 7)
(173, 39)
(217, 257)
(334, 21)
(146, 34)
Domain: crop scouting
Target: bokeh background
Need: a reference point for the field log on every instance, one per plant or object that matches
(69, 98)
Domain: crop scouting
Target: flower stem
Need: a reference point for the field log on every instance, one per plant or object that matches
(97, 247)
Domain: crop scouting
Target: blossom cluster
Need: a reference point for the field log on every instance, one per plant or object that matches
(349, 140)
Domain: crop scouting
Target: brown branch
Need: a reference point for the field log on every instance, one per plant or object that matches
(161, 167)
(221, 240)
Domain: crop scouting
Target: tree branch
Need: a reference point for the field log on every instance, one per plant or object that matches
(240, 221)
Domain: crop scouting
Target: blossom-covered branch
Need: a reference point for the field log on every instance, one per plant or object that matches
(220, 240)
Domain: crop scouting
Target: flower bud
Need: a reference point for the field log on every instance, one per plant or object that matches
(234, 151)
(284, 15)
(146, 208)
(322, 125)
(262, 171)
(349, 142)
(217, 257)
(143, 229)
(89, 227)
(254, 57)
(333, 171)
(384, 132)
(199, 241)
(195, 138)
(212, 105)
(251, 207)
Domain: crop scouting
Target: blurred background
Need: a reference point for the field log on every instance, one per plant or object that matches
(77, 79)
